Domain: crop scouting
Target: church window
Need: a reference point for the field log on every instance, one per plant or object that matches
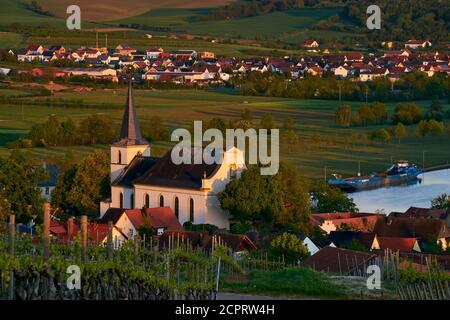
(191, 210)
(121, 200)
(177, 207)
(119, 157)
(161, 200)
(132, 201)
(147, 200)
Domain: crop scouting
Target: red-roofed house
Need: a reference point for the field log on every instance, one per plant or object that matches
(310, 45)
(417, 44)
(161, 219)
(353, 221)
(395, 244)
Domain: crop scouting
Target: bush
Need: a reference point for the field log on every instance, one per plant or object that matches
(289, 246)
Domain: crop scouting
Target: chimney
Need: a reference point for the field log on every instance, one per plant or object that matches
(70, 228)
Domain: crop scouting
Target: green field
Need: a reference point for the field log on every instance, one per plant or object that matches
(290, 26)
(179, 108)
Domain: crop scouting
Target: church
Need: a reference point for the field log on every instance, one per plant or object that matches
(139, 180)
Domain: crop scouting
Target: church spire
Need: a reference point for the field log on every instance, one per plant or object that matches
(130, 133)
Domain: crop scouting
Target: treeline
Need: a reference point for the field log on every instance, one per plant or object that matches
(377, 113)
(403, 20)
(244, 9)
(94, 129)
(53, 133)
(411, 86)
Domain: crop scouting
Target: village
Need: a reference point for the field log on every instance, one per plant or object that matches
(186, 66)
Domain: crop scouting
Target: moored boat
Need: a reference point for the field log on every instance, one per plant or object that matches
(401, 172)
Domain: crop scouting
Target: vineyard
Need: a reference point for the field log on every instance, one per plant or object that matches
(38, 267)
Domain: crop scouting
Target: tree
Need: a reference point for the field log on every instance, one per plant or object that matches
(407, 113)
(441, 202)
(217, 123)
(278, 199)
(288, 124)
(421, 128)
(384, 135)
(331, 199)
(436, 111)
(435, 128)
(292, 140)
(400, 131)
(81, 188)
(247, 115)
(343, 115)
(267, 122)
(289, 246)
(366, 115)
(19, 177)
(380, 111)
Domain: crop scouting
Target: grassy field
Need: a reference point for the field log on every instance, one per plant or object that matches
(332, 152)
(292, 25)
(118, 9)
(297, 282)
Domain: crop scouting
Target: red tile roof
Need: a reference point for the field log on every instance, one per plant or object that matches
(397, 244)
(162, 217)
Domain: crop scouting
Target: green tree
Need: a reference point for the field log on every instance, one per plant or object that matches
(331, 199)
(380, 111)
(435, 128)
(400, 131)
(19, 177)
(289, 246)
(441, 202)
(278, 199)
(343, 115)
(81, 188)
(267, 122)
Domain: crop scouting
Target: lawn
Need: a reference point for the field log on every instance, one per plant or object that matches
(296, 282)
(323, 147)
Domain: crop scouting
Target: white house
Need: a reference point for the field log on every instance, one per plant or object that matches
(190, 190)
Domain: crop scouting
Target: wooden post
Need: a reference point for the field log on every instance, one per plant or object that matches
(46, 232)
(110, 241)
(84, 238)
(218, 277)
(12, 234)
(12, 238)
(137, 241)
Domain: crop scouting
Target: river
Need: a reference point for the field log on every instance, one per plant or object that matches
(400, 198)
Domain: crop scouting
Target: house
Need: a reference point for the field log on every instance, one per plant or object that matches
(341, 72)
(191, 190)
(315, 71)
(417, 44)
(161, 219)
(4, 71)
(345, 239)
(184, 54)
(206, 55)
(354, 56)
(125, 50)
(96, 73)
(310, 45)
(207, 241)
(154, 53)
(420, 228)
(66, 231)
(395, 244)
(48, 185)
(425, 213)
(339, 261)
(354, 221)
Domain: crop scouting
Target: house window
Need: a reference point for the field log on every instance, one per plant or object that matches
(191, 210)
(120, 157)
(121, 200)
(161, 200)
(147, 200)
(47, 191)
(132, 201)
(177, 207)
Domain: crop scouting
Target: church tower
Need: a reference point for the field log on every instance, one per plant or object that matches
(130, 142)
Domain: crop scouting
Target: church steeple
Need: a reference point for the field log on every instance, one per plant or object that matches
(130, 132)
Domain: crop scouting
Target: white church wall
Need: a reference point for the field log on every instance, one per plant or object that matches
(115, 197)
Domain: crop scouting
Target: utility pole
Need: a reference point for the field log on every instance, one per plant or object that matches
(325, 174)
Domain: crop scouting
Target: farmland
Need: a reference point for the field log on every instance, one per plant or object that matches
(322, 143)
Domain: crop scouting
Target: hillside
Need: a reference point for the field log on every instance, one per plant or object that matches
(102, 10)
